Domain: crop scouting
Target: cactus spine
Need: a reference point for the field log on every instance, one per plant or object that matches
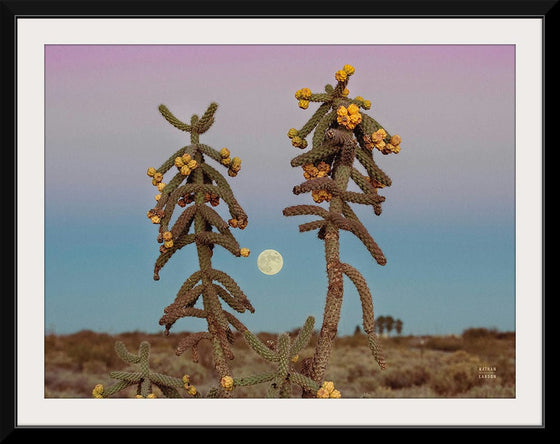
(203, 187)
(342, 135)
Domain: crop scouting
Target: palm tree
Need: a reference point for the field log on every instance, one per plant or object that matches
(398, 326)
(380, 324)
(389, 324)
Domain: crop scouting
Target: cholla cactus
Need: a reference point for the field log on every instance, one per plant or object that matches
(144, 378)
(342, 134)
(198, 187)
(284, 354)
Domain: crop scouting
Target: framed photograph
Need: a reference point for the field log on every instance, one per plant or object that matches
(356, 202)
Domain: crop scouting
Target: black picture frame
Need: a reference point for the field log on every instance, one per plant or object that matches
(12, 11)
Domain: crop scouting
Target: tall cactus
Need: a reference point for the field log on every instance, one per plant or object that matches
(342, 135)
(198, 187)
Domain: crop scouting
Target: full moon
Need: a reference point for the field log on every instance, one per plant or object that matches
(270, 262)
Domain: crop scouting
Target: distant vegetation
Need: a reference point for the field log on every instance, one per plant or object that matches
(479, 363)
(387, 324)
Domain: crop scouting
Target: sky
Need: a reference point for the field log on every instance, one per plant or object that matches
(448, 222)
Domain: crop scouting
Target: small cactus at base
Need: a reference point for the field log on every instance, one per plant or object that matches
(283, 354)
(144, 378)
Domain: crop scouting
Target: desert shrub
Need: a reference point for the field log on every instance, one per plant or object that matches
(398, 341)
(86, 346)
(505, 371)
(456, 374)
(356, 340)
(397, 378)
(367, 384)
(489, 390)
(472, 333)
(444, 343)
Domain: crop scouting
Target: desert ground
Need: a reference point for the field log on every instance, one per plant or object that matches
(479, 363)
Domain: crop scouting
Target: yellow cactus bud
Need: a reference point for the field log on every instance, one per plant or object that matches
(161, 186)
(192, 164)
(340, 76)
(335, 394)
(295, 358)
(186, 379)
(341, 111)
(379, 135)
(317, 196)
(303, 104)
(235, 164)
(323, 166)
(310, 170)
(139, 397)
(232, 223)
(151, 396)
(303, 93)
(232, 173)
(292, 132)
(227, 383)
(186, 158)
(355, 119)
(158, 177)
(367, 104)
(345, 92)
(167, 235)
(168, 244)
(327, 390)
(245, 252)
(328, 386)
(345, 121)
(353, 109)
(224, 152)
(151, 171)
(157, 197)
(396, 140)
(297, 141)
(226, 161)
(179, 162)
(313, 171)
(98, 391)
(191, 390)
(348, 69)
(155, 219)
(185, 170)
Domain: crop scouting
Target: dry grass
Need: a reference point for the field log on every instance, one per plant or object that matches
(418, 367)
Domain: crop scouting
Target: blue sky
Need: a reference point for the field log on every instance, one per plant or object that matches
(447, 227)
